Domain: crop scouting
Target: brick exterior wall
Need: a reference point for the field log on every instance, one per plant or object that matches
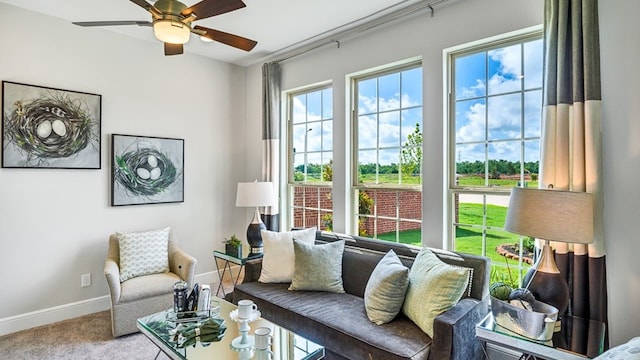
(306, 200)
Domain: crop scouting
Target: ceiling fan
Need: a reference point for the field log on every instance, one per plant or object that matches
(172, 23)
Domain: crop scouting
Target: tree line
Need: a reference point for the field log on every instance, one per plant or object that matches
(503, 167)
(496, 167)
(411, 158)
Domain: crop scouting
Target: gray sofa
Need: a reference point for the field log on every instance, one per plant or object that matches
(339, 321)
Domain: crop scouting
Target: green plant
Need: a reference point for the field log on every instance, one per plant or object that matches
(529, 244)
(327, 221)
(327, 172)
(411, 154)
(365, 202)
(233, 241)
(498, 276)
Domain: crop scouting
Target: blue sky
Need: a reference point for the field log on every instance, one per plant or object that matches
(488, 107)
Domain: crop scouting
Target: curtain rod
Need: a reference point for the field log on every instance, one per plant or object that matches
(357, 30)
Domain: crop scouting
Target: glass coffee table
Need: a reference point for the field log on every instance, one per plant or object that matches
(285, 344)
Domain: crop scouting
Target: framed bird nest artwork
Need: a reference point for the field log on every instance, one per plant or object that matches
(45, 127)
(146, 170)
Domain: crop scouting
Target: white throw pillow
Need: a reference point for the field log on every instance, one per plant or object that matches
(278, 257)
(143, 253)
(627, 351)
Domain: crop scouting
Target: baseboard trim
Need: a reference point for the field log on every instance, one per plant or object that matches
(54, 314)
(207, 278)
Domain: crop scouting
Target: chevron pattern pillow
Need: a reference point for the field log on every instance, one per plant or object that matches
(143, 253)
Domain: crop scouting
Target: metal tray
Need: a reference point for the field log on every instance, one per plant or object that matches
(536, 325)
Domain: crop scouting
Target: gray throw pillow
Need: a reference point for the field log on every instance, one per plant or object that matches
(386, 288)
(317, 267)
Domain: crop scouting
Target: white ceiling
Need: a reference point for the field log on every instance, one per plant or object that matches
(277, 25)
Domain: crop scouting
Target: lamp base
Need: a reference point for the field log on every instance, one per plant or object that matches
(254, 238)
(547, 284)
(256, 250)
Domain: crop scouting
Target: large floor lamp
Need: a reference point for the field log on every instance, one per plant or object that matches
(550, 215)
(255, 194)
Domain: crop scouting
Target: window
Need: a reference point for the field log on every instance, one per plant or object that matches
(310, 132)
(493, 145)
(388, 154)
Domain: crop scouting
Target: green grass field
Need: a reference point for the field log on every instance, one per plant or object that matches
(469, 239)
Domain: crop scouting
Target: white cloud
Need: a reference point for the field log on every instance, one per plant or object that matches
(474, 91)
(503, 118)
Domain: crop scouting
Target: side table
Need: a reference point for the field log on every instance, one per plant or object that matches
(578, 339)
(228, 260)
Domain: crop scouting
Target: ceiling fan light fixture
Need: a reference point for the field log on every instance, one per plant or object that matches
(171, 31)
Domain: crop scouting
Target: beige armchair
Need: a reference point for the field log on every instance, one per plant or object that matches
(144, 295)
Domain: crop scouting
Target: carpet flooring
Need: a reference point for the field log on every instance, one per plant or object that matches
(83, 338)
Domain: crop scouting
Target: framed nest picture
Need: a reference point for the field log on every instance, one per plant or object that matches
(45, 127)
(146, 170)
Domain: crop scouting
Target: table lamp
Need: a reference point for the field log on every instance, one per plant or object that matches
(550, 215)
(255, 194)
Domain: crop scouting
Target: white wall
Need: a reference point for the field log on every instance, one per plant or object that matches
(468, 20)
(54, 224)
(620, 54)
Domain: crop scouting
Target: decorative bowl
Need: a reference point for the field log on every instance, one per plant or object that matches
(537, 325)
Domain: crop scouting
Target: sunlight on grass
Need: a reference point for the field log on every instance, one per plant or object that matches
(469, 239)
(409, 237)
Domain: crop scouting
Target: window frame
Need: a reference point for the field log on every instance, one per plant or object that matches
(291, 183)
(451, 187)
(356, 185)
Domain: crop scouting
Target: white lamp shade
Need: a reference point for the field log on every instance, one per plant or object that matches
(253, 194)
(171, 31)
(554, 215)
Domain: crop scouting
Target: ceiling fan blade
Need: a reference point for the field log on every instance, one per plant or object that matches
(112, 23)
(150, 8)
(143, 4)
(173, 49)
(208, 8)
(226, 38)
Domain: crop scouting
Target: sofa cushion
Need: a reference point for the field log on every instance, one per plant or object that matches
(149, 286)
(143, 253)
(386, 289)
(434, 287)
(337, 321)
(317, 267)
(277, 262)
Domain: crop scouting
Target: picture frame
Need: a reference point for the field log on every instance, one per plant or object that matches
(146, 170)
(45, 127)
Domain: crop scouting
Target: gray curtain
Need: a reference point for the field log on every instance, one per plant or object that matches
(571, 150)
(271, 138)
